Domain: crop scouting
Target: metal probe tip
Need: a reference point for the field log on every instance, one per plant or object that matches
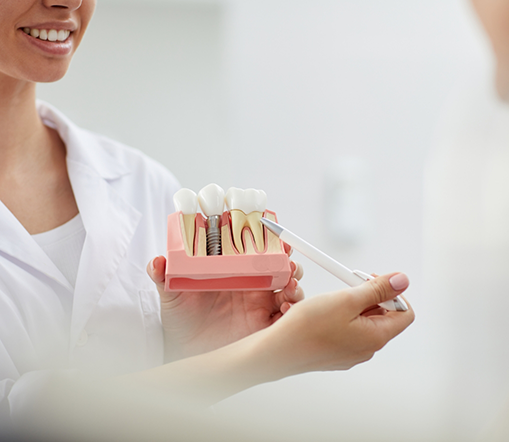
(272, 226)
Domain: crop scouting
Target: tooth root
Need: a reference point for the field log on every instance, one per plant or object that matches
(187, 226)
(238, 222)
(201, 242)
(253, 221)
(273, 242)
(226, 241)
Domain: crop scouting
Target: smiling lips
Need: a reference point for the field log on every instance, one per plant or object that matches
(48, 34)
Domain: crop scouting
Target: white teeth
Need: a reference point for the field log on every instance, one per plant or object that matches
(62, 35)
(211, 199)
(186, 202)
(52, 35)
(45, 34)
(246, 210)
(249, 200)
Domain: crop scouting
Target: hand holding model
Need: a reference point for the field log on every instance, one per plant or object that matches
(243, 338)
(199, 322)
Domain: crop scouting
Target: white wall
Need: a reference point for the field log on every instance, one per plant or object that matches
(267, 93)
(314, 81)
(151, 74)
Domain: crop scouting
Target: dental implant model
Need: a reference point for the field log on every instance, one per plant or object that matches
(211, 199)
(223, 250)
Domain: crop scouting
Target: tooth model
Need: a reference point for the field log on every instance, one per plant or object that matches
(246, 210)
(254, 260)
(186, 201)
(211, 199)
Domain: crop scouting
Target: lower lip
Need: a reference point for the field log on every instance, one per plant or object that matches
(51, 47)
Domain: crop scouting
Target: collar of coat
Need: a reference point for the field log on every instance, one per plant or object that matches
(82, 145)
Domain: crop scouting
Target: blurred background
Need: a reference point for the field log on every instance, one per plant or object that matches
(342, 111)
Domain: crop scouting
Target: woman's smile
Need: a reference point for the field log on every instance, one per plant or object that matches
(39, 37)
(54, 39)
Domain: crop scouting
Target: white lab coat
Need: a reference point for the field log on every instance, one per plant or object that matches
(124, 199)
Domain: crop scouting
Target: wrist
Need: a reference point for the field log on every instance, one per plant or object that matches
(278, 353)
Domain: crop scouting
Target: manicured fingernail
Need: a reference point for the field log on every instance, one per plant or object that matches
(399, 282)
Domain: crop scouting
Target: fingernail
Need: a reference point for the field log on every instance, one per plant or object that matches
(153, 264)
(399, 282)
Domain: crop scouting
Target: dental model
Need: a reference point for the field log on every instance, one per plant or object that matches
(211, 199)
(186, 202)
(228, 250)
(246, 210)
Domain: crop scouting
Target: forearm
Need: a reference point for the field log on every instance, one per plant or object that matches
(211, 377)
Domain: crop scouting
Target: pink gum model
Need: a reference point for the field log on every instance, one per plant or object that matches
(260, 271)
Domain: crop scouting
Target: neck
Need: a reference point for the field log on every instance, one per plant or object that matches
(23, 136)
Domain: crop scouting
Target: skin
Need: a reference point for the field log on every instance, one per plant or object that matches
(494, 15)
(333, 331)
(216, 344)
(34, 184)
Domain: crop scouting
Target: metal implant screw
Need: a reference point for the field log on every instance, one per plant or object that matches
(213, 235)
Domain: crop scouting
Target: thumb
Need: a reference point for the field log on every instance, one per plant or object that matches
(378, 290)
(156, 270)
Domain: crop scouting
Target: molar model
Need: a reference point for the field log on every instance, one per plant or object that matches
(228, 250)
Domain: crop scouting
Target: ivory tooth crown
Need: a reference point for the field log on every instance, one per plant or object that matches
(249, 200)
(211, 199)
(223, 250)
(186, 201)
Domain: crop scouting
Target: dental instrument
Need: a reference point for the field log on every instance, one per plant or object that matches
(351, 277)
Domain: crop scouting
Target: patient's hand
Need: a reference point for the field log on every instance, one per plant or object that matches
(199, 322)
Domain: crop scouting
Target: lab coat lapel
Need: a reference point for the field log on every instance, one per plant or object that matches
(16, 242)
(110, 224)
(109, 221)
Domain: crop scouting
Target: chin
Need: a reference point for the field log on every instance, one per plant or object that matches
(47, 76)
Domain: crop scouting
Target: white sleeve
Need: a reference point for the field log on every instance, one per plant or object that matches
(8, 376)
(20, 394)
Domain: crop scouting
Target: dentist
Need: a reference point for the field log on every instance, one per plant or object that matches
(80, 218)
